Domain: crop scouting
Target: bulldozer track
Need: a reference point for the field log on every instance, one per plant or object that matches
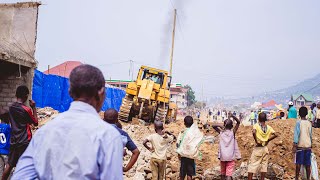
(161, 113)
(125, 108)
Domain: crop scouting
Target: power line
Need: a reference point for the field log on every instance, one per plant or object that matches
(312, 88)
(113, 63)
(172, 4)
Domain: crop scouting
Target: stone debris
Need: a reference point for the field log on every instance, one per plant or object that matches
(281, 164)
(47, 112)
(275, 172)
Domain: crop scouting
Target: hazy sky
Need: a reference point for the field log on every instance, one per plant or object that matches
(230, 48)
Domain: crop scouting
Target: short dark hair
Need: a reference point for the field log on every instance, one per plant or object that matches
(22, 91)
(188, 121)
(119, 125)
(262, 117)
(85, 80)
(111, 116)
(228, 124)
(303, 111)
(158, 125)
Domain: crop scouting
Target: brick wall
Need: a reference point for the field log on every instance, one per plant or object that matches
(10, 79)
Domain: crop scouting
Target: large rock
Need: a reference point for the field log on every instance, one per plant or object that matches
(136, 176)
(149, 176)
(212, 174)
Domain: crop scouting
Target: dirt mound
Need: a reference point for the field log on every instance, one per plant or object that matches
(280, 148)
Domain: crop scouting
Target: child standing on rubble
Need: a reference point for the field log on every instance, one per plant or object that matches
(228, 146)
(303, 142)
(160, 142)
(262, 134)
(188, 144)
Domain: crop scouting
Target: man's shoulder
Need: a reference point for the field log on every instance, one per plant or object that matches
(122, 132)
(86, 122)
(255, 126)
(18, 106)
(152, 136)
(298, 121)
(305, 122)
(293, 109)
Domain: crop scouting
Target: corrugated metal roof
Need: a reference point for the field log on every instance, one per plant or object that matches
(63, 69)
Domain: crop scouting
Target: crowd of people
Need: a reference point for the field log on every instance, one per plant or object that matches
(78, 144)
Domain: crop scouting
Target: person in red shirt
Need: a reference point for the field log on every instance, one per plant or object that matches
(21, 118)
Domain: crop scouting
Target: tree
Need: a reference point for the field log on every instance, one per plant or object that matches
(191, 98)
(200, 105)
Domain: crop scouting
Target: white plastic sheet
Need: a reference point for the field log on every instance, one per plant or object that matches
(314, 167)
(190, 142)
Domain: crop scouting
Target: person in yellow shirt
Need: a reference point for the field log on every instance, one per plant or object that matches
(262, 134)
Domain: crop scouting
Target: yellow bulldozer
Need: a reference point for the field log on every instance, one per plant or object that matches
(148, 98)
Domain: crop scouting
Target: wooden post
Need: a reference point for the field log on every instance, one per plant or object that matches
(173, 34)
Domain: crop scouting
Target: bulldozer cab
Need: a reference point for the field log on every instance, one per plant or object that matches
(148, 97)
(157, 76)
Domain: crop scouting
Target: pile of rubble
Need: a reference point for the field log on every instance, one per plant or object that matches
(280, 149)
(281, 165)
(46, 114)
(274, 172)
(141, 170)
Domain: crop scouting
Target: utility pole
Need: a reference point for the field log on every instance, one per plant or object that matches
(173, 35)
(131, 68)
(202, 99)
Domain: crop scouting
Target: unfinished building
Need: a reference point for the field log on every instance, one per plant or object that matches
(18, 35)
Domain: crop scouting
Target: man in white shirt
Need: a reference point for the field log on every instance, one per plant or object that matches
(77, 144)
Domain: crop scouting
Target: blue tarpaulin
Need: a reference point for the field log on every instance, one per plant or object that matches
(52, 91)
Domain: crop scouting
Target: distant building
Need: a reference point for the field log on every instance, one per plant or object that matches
(118, 83)
(178, 95)
(302, 99)
(269, 105)
(63, 69)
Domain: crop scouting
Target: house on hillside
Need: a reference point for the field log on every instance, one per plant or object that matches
(63, 69)
(269, 105)
(303, 99)
(18, 34)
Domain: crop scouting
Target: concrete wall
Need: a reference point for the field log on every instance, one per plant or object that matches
(10, 79)
(18, 30)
